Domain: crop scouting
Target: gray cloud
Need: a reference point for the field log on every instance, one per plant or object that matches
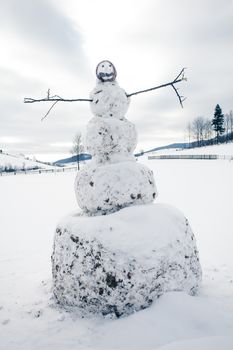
(41, 21)
(40, 25)
(23, 121)
(40, 34)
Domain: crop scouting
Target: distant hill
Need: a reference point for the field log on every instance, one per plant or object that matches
(170, 146)
(224, 149)
(82, 157)
(85, 156)
(18, 162)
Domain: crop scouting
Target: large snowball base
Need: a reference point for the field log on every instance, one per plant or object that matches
(120, 263)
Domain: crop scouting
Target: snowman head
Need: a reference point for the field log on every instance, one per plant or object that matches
(105, 71)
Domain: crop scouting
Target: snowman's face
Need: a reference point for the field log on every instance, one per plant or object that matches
(106, 71)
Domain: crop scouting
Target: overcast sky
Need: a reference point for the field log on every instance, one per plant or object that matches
(57, 44)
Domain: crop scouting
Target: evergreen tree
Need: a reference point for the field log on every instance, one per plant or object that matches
(218, 121)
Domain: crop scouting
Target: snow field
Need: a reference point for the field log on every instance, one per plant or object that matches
(30, 208)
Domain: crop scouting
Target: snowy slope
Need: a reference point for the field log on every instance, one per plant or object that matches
(222, 149)
(18, 162)
(203, 190)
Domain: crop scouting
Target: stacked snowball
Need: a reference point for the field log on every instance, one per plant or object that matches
(113, 179)
(119, 263)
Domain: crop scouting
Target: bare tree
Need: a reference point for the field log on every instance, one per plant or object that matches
(198, 130)
(231, 121)
(208, 130)
(188, 130)
(77, 148)
(227, 126)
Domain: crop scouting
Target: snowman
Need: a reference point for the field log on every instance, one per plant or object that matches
(113, 179)
(113, 265)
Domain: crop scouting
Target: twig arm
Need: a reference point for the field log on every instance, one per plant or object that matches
(180, 77)
(180, 98)
(55, 99)
(153, 88)
(49, 110)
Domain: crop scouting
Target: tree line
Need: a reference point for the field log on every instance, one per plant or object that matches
(205, 131)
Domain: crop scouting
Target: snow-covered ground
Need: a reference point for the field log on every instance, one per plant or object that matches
(225, 149)
(18, 162)
(30, 208)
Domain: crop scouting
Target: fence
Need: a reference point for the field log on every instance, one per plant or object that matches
(38, 171)
(189, 156)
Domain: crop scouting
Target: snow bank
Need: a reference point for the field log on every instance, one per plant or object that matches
(101, 266)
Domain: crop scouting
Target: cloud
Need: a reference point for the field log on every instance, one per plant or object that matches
(41, 49)
(40, 27)
(41, 21)
(22, 122)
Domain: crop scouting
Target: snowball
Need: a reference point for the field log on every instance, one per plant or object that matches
(102, 188)
(109, 136)
(109, 100)
(120, 263)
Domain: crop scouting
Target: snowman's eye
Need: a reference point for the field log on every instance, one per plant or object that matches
(110, 65)
(103, 65)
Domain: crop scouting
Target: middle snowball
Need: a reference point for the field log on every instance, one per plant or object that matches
(106, 137)
(110, 187)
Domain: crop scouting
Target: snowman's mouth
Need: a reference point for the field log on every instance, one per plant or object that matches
(106, 76)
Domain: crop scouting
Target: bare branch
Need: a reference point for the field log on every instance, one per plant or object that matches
(181, 73)
(175, 81)
(180, 98)
(55, 98)
(49, 110)
(153, 88)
